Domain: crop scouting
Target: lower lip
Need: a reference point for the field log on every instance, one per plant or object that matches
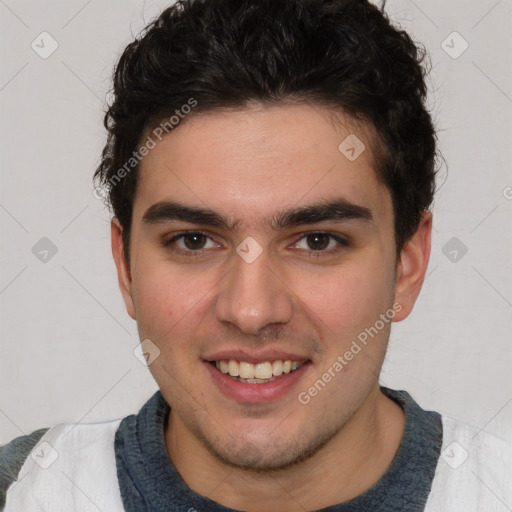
(256, 393)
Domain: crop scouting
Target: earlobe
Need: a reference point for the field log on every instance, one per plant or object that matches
(412, 266)
(123, 271)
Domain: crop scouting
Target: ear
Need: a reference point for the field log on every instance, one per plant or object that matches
(412, 267)
(123, 271)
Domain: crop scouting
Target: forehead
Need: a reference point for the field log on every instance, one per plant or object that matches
(249, 163)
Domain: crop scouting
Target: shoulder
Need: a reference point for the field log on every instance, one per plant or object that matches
(464, 443)
(12, 458)
(84, 450)
(474, 470)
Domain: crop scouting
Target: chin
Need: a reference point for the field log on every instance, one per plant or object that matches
(265, 453)
(256, 459)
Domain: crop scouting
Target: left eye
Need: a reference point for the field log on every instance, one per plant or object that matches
(319, 242)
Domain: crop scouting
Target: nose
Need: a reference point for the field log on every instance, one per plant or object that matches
(253, 296)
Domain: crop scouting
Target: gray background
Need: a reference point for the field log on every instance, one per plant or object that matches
(67, 342)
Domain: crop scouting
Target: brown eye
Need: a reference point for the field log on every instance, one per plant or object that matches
(191, 242)
(321, 244)
(195, 241)
(318, 241)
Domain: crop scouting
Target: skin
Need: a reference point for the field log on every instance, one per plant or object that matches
(250, 165)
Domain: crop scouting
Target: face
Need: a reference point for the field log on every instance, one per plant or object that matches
(259, 247)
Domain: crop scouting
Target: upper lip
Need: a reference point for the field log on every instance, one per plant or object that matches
(253, 357)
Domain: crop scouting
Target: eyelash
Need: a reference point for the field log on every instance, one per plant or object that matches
(189, 253)
(342, 243)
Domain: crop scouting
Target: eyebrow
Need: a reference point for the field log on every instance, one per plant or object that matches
(165, 211)
(337, 210)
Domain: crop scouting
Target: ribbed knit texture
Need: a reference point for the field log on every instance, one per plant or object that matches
(149, 482)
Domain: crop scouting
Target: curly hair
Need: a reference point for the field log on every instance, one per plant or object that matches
(343, 54)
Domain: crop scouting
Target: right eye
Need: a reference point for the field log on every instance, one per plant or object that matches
(191, 243)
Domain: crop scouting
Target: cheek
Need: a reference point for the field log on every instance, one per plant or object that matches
(171, 305)
(169, 299)
(342, 304)
(344, 309)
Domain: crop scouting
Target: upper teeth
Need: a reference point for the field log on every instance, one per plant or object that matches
(264, 370)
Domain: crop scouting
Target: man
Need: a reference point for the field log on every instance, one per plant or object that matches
(270, 166)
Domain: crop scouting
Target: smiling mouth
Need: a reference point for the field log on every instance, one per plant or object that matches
(259, 373)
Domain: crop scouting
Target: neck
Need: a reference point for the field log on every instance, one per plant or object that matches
(349, 464)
